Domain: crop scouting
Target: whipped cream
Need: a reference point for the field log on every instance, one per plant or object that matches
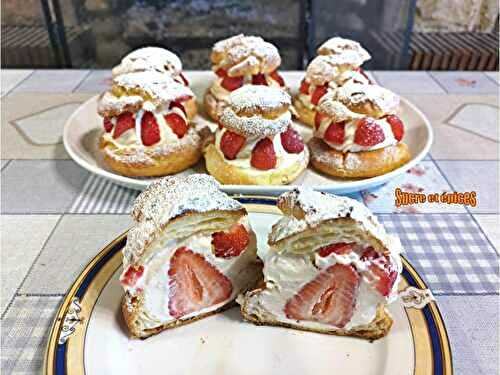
(243, 158)
(131, 138)
(349, 131)
(285, 274)
(154, 282)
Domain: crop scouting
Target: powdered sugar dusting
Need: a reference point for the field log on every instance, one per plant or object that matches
(149, 58)
(258, 97)
(338, 111)
(356, 93)
(114, 104)
(169, 198)
(241, 54)
(161, 87)
(319, 207)
(344, 51)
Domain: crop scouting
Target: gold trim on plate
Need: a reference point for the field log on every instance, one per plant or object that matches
(75, 342)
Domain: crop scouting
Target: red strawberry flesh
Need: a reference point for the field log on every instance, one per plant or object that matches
(179, 105)
(335, 133)
(263, 155)
(278, 78)
(329, 298)
(124, 122)
(177, 124)
(340, 248)
(231, 243)
(231, 143)
(397, 126)
(259, 79)
(150, 132)
(292, 141)
(194, 283)
(368, 132)
(108, 125)
(304, 87)
(318, 94)
(318, 118)
(221, 72)
(232, 83)
(132, 275)
(383, 274)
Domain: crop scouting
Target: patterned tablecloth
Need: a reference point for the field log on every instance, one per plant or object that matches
(56, 216)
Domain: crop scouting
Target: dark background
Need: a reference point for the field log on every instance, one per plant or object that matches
(400, 34)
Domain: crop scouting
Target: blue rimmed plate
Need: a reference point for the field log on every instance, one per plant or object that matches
(88, 335)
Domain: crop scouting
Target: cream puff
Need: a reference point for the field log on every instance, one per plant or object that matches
(237, 61)
(159, 60)
(146, 125)
(256, 143)
(331, 268)
(189, 254)
(357, 133)
(338, 63)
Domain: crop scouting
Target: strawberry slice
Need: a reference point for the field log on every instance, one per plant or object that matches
(383, 274)
(150, 132)
(221, 72)
(292, 141)
(124, 122)
(177, 124)
(397, 126)
(329, 298)
(232, 83)
(108, 125)
(231, 243)
(278, 78)
(177, 105)
(304, 87)
(263, 155)
(335, 133)
(368, 133)
(340, 248)
(131, 275)
(194, 283)
(318, 119)
(231, 143)
(259, 79)
(318, 94)
(184, 79)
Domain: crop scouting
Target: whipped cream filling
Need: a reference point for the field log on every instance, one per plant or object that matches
(131, 138)
(349, 131)
(285, 274)
(243, 158)
(154, 282)
(222, 94)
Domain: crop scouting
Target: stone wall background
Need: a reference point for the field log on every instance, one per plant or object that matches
(112, 28)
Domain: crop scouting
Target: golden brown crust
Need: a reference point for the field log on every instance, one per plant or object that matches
(173, 161)
(227, 173)
(213, 106)
(191, 108)
(305, 114)
(130, 316)
(378, 328)
(357, 164)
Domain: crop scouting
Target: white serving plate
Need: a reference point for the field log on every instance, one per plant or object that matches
(89, 336)
(83, 128)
